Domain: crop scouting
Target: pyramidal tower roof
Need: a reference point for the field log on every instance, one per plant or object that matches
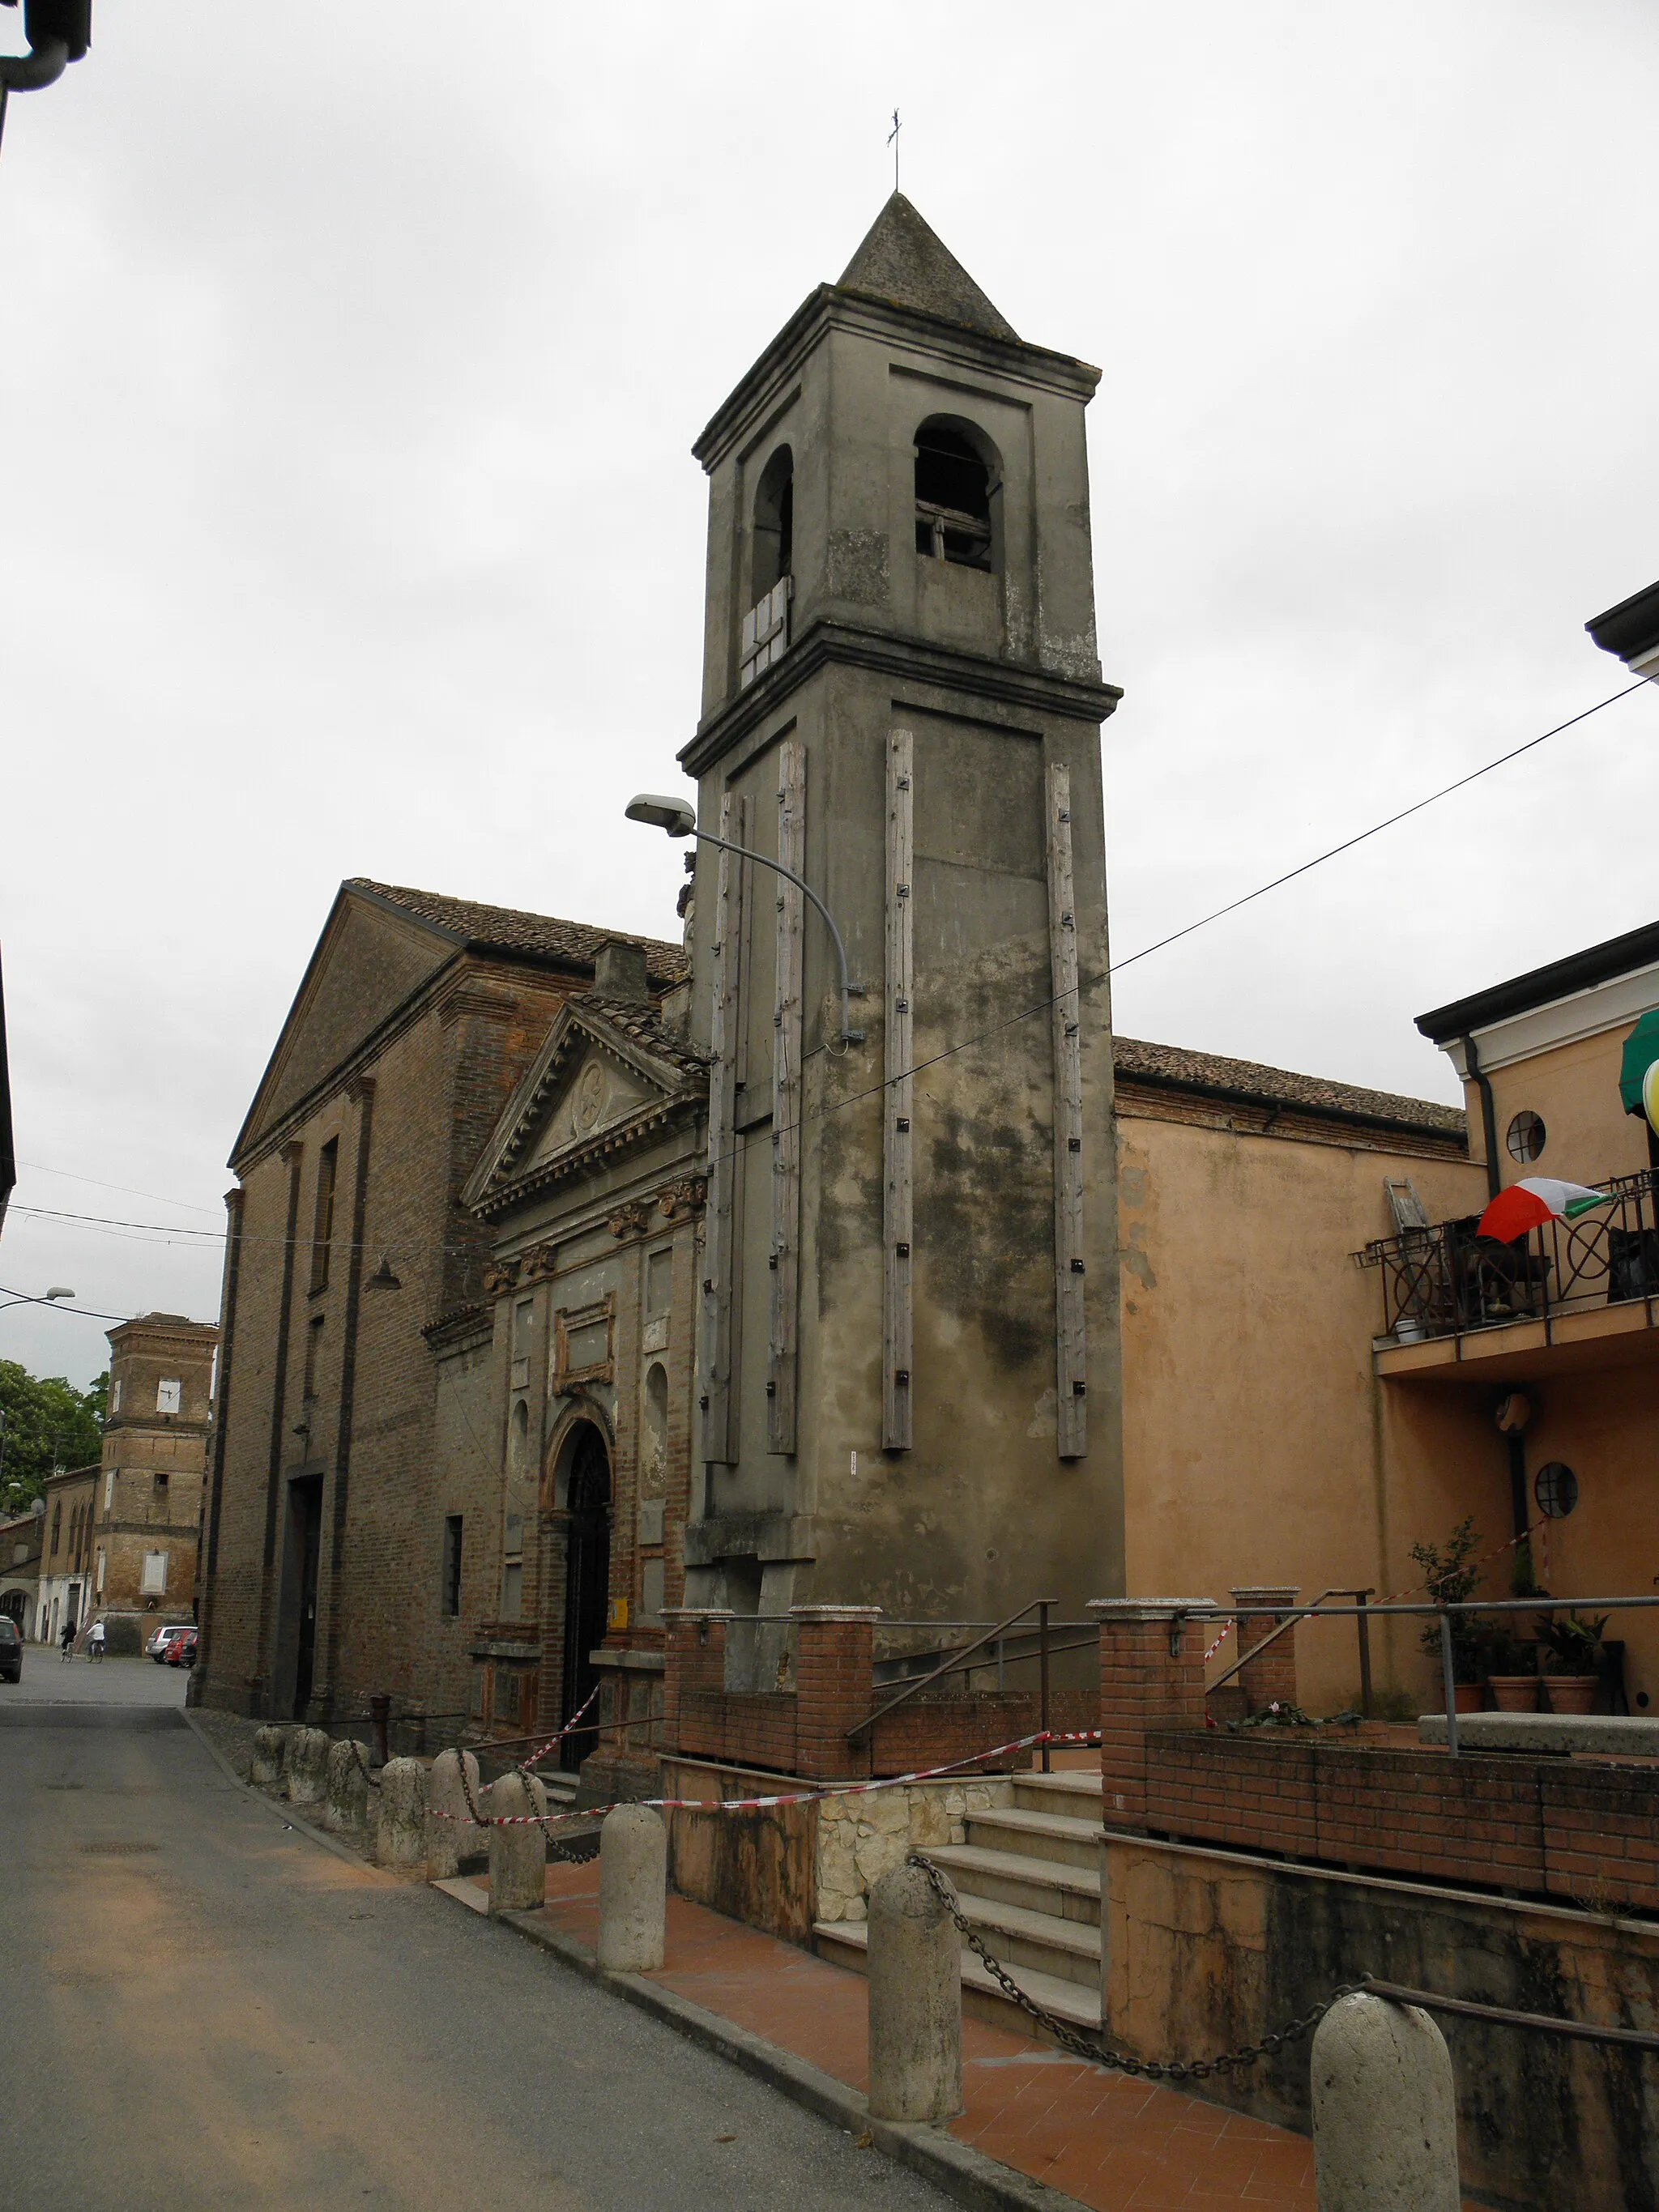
(904, 261)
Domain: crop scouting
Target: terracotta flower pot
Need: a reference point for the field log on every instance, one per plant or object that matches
(1514, 1693)
(1573, 1694)
(1468, 1697)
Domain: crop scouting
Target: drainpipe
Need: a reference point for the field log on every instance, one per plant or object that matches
(1488, 1115)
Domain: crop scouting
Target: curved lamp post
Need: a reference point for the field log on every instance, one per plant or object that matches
(58, 32)
(676, 819)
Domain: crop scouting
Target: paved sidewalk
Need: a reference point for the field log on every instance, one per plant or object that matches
(1113, 2144)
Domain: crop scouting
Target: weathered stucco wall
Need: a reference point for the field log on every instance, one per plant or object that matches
(1204, 1951)
(1258, 1447)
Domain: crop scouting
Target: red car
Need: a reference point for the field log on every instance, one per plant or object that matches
(181, 1651)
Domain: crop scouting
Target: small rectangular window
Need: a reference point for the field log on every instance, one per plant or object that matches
(154, 1581)
(115, 1396)
(513, 1589)
(314, 1349)
(109, 1489)
(101, 1576)
(659, 1283)
(451, 1592)
(322, 1234)
(168, 1396)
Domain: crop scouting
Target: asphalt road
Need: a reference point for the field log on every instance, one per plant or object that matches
(50, 1679)
(203, 2009)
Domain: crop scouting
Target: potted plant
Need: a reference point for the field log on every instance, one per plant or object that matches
(1575, 1647)
(1448, 1578)
(1514, 1690)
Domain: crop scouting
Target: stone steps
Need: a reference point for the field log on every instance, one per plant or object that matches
(1027, 1880)
(1042, 1886)
(847, 1942)
(1060, 1838)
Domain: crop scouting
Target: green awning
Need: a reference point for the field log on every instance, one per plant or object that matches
(1641, 1050)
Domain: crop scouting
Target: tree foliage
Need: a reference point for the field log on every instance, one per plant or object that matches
(48, 1423)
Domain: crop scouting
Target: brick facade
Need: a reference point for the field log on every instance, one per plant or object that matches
(356, 1415)
(808, 1730)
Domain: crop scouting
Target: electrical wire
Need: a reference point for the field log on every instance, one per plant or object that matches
(163, 1231)
(38, 1167)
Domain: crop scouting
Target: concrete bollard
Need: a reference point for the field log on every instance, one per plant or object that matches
(518, 1855)
(400, 1814)
(1384, 2109)
(269, 1746)
(347, 1808)
(633, 1890)
(452, 1834)
(916, 2001)
(305, 1766)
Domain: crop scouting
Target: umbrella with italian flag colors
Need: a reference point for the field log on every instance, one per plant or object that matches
(1535, 1199)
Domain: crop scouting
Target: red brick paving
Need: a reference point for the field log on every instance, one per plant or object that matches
(1115, 2144)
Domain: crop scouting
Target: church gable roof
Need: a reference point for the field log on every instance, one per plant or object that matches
(904, 261)
(607, 1074)
(506, 929)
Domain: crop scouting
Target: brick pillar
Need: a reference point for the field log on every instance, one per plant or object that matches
(1270, 1679)
(835, 1687)
(1145, 1684)
(693, 1658)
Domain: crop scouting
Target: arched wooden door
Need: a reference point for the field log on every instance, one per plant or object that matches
(586, 1584)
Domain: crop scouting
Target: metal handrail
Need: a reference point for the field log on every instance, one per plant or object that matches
(1041, 1608)
(1284, 1626)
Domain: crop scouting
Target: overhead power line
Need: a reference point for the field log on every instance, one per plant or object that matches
(157, 1231)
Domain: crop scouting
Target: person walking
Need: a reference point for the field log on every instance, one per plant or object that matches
(67, 1639)
(97, 1647)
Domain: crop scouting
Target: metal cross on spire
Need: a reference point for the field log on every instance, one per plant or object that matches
(892, 140)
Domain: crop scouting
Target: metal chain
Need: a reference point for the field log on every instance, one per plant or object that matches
(1101, 2054)
(357, 1753)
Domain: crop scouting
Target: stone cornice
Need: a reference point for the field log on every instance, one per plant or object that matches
(620, 1139)
(1009, 360)
(906, 661)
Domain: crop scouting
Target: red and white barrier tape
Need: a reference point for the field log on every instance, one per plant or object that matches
(783, 1797)
(569, 1729)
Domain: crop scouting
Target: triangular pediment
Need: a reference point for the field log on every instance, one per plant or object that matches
(368, 962)
(591, 1082)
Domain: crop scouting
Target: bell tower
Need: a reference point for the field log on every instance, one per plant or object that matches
(908, 1388)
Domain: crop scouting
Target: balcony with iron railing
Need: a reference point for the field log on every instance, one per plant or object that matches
(1576, 1281)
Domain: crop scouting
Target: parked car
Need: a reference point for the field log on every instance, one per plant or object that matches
(11, 1650)
(181, 1652)
(157, 1649)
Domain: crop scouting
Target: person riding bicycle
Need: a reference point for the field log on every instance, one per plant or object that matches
(95, 1647)
(67, 1639)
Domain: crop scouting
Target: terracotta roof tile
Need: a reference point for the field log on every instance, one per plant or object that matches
(1172, 1068)
(508, 929)
(645, 1025)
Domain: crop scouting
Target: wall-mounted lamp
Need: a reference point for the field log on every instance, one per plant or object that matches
(383, 1278)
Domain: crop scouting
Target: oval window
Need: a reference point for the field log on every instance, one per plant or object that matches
(1526, 1136)
(1556, 1489)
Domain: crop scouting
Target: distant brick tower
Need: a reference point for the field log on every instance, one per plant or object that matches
(147, 1511)
(909, 1382)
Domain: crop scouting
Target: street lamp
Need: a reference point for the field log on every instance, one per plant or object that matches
(57, 1289)
(676, 819)
(58, 32)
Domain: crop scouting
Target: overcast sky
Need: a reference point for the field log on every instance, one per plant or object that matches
(351, 357)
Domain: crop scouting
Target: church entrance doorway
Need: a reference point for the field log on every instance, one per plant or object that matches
(586, 1583)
